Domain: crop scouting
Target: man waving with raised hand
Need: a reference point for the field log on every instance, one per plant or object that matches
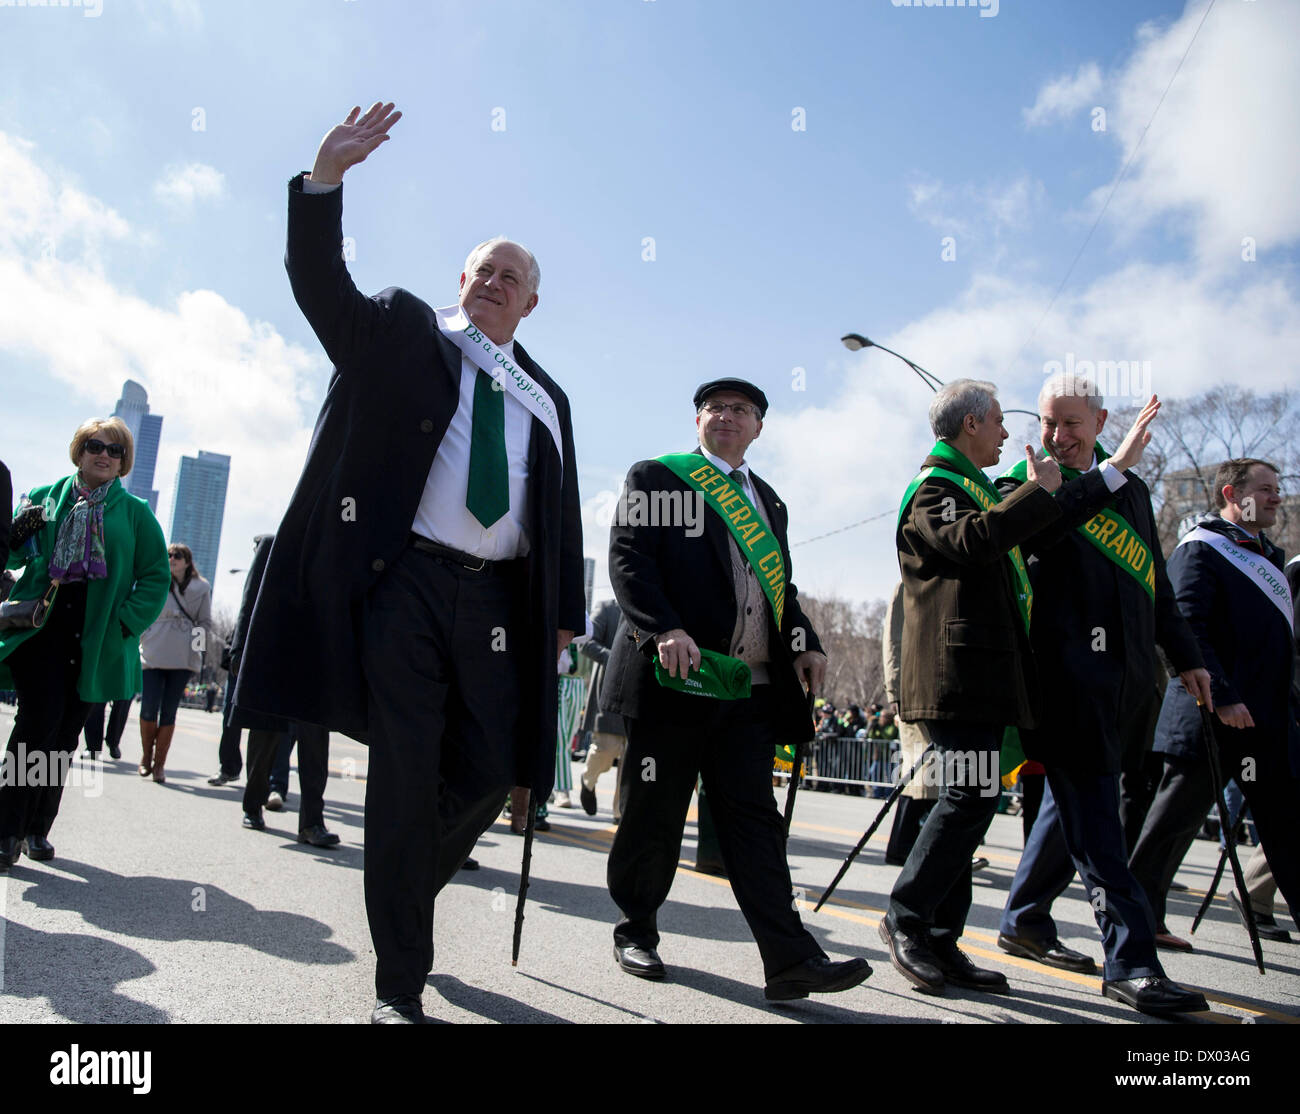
(429, 567)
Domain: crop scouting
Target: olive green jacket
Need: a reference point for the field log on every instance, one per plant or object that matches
(119, 607)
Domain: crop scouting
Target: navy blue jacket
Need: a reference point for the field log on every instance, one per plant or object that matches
(1247, 646)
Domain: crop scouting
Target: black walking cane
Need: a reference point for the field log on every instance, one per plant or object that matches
(523, 877)
(894, 794)
(1216, 779)
(1218, 873)
(794, 772)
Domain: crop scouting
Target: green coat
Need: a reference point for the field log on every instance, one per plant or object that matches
(119, 607)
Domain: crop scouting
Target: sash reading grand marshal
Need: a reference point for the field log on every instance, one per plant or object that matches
(756, 543)
(513, 380)
(1110, 532)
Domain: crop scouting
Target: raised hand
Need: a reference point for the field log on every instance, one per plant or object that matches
(1137, 438)
(1046, 472)
(349, 143)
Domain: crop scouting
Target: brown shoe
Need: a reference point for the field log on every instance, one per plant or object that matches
(148, 735)
(1172, 943)
(161, 747)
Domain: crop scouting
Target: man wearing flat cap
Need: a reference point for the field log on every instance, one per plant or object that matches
(711, 668)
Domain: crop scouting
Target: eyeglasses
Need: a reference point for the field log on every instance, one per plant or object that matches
(740, 409)
(94, 447)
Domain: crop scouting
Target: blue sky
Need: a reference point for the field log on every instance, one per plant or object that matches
(144, 153)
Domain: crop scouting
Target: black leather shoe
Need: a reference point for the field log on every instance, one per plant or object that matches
(403, 1009)
(636, 960)
(1155, 995)
(1054, 954)
(958, 970)
(1265, 925)
(913, 960)
(469, 864)
(223, 779)
(587, 798)
(38, 848)
(254, 820)
(817, 975)
(11, 849)
(114, 751)
(541, 824)
(318, 836)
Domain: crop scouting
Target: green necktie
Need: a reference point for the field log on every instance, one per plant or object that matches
(488, 496)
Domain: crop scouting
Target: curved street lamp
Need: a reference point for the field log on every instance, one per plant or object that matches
(855, 342)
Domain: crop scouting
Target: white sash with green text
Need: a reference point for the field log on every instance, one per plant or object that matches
(518, 384)
(1259, 570)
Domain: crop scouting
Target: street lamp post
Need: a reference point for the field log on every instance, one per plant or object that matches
(855, 342)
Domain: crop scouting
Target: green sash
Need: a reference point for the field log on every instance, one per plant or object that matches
(1111, 533)
(756, 542)
(973, 481)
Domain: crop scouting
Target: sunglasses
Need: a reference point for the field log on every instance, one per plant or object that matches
(94, 447)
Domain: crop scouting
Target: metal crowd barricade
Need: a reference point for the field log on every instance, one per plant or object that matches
(862, 767)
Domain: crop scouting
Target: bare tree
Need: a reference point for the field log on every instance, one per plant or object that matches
(1193, 436)
(850, 635)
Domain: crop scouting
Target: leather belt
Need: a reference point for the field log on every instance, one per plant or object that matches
(466, 561)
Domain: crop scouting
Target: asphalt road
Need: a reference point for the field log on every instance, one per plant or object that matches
(159, 907)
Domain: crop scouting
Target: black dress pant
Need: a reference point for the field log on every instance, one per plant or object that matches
(94, 733)
(442, 660)
(50, 717)
(729, 745)
(313, 744)
(909, 817)
(932, 896)
(228, 757)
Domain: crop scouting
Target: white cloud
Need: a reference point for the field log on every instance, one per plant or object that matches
(1065, 96)
(182, 186)
(222, 382)
(1224, 150)
(166, 16)
(975, 211)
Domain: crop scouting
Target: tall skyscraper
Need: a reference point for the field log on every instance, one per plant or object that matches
(198, 507)
(146, 431)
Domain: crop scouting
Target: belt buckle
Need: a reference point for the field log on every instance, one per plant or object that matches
(482, 564)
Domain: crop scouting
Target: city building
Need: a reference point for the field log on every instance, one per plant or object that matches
(146, 432)
(198, 507)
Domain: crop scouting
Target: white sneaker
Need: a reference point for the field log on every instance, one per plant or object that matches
(563, 800)
(274, 802)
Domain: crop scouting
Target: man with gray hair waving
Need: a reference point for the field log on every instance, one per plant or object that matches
(1101, 603)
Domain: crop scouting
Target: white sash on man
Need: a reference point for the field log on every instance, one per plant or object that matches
(461, 331)
(1259, 570)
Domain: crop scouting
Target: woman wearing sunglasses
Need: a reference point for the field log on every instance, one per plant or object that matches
(171, 652)
(99, 554)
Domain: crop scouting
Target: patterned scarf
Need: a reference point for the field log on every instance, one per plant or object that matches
(79, 546)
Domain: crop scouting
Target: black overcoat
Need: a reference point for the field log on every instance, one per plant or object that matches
(665, 580)
(392, 394)
(1094, 631)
